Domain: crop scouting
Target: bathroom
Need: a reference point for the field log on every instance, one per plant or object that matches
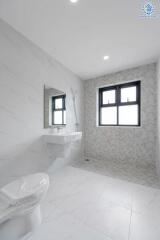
(98, 179)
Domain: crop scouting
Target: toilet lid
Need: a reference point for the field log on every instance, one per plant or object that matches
(25, 186)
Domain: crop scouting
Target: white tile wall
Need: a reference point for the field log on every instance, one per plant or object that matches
(24, 69)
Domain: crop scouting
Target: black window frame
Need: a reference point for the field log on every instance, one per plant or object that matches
(118, 103)
(54, 109)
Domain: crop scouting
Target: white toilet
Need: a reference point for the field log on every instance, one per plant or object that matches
(20, 205)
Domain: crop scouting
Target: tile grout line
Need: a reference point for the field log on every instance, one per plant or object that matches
(129, 232)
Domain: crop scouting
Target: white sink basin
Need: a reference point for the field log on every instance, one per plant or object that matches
(63, 138)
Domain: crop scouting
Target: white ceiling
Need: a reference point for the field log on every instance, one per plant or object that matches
(79, 35)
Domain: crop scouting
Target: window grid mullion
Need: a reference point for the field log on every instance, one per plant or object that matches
(118, 101)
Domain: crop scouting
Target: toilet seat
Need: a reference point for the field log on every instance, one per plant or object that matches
(22, 195)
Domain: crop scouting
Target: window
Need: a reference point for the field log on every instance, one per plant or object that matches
(119, 105)
(59, 110)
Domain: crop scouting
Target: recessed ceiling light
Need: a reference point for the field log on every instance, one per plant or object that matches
(106, 57)
(73, 1)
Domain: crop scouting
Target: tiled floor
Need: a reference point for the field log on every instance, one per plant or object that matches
(144, 175)
(82, 205)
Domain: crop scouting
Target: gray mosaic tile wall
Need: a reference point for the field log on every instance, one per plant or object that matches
(133, 145)
(158, 111)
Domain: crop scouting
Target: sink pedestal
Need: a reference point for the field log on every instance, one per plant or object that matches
(63, 149)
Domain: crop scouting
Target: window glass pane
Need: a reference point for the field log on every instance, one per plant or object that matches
(128, 94)
(109, 97)
(58, 103)
(128, 115)
(57, 117)
(109, 116)
(64, 117)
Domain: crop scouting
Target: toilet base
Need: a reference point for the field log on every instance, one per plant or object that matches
(18, 227)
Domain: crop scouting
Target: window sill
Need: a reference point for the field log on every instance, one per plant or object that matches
(58, 125)
(119, 126)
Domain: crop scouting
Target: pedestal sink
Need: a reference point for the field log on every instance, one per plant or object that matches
(63, 149)
(63, 138)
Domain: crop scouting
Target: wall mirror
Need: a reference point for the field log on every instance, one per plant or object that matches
(54, 107)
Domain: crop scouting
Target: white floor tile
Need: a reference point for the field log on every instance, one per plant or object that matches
(67, 228)
(144, 227)
(82, 205)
